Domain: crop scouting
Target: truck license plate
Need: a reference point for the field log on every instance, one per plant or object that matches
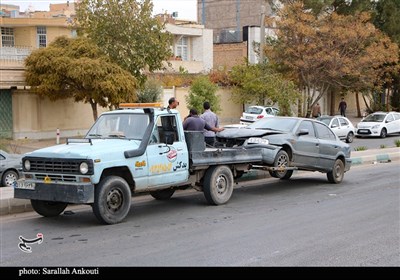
(22, 184)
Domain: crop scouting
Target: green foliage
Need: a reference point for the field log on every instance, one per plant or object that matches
(262, 85)
(201, 90)
(382, 146)
(126, 31)
(397, 142)
(360, 148)
(76, 68)
(150, 92)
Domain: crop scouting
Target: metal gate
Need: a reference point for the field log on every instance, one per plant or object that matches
(6, 121)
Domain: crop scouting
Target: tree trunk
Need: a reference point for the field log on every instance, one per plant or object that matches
(333, 104)
(358, 106)
(94, 108)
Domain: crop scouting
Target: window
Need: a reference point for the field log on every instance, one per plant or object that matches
(343, 122)
(182, 48)
(307, 125)
(7, 37)
(41, 37)
(335, 123)
(324, 132)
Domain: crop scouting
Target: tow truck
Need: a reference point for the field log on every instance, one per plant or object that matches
(139, 149)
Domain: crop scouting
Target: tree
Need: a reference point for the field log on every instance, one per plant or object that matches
(150, 92)
(76, 68)
(330, 51)
(260, 84)
(126, 31)
(201, 90)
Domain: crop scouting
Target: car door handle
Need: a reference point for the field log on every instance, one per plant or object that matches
(179, 149)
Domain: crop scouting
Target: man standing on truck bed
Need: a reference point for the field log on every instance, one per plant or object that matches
(195, 123)
(212, 120)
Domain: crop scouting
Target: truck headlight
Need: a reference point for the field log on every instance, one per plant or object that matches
(84, 167)
(27, 165)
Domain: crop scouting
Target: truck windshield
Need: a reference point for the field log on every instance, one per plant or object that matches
(118, 125)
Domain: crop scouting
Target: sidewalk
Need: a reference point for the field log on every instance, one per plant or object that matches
(10, 205)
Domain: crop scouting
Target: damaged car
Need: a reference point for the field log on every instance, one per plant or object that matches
(293, 143)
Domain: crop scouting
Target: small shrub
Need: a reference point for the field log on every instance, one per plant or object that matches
(397, 142)
(383, 146)
(360, 148)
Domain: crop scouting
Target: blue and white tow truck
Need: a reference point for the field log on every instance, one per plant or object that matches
(141, 148)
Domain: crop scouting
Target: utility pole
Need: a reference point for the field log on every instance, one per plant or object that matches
(238, 27)
(262, 34)
(203, 12)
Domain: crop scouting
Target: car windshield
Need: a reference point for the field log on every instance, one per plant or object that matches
(254, 110)
(280, 124)
(325, 120)
(374, 118)
(118, 125)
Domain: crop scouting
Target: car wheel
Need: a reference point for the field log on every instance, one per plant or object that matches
(9, 178)
(350, 137)
(112, 200)
(336, 175)
(48, 208)
(218, 185)
(282, 160)
(383, 133)
(162, 194)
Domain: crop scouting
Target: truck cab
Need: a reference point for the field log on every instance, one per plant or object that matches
(126, 151)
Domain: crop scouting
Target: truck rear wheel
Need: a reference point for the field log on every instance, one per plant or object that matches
(218, 185)
(112, 200)
(48, 208)
(163, 194)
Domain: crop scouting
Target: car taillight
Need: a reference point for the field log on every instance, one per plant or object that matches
(260, 116)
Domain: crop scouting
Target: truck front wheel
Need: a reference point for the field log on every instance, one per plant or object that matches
(112, 200)
(48, 208)
(218, 185)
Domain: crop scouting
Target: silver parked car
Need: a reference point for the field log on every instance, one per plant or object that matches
(341, 126)
(10, 168)
(293, 143)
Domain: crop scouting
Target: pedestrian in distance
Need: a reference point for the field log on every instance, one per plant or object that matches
(316, 111)
(342, 107)
(212, 120)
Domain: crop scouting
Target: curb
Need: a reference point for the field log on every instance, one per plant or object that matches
(11, 205)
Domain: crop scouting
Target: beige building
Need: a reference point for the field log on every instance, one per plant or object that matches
(26, 115)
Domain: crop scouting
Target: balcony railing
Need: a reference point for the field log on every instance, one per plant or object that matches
(14, 55)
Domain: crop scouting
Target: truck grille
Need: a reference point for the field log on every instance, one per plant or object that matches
(59, 166)
(54, 177)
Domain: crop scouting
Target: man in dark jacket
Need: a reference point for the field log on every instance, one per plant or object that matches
(342, 107)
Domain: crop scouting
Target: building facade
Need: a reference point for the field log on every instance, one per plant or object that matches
(27, 115)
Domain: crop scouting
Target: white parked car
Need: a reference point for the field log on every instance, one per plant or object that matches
(341, 126)
(254, 113)
(379, 124)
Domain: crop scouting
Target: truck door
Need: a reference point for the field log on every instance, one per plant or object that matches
(167, 153)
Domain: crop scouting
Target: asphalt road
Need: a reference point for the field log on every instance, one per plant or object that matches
(375, 142)
(302, 222)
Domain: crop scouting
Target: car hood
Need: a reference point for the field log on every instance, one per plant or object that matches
(368, 124)
(246, 132)
(86, 150)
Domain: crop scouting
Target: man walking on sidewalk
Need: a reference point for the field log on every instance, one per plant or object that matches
(342, 107)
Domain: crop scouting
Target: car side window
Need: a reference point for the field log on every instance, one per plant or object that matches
(396, 116)
(390, 118)
(324, 132)
(307, 125)
(343, 122)
(269, 111)
(335, 123)
(2, 157)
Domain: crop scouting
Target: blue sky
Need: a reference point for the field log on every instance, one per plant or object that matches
(186, 9)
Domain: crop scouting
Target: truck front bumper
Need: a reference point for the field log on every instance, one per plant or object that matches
(70, 193)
